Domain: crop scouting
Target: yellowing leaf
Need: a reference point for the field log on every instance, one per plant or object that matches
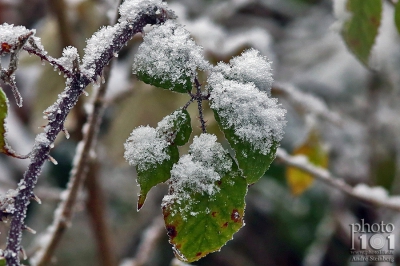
(313, 149)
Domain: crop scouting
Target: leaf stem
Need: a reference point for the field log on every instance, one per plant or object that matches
(199, 98)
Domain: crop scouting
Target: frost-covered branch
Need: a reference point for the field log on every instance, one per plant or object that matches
(101, 48)
(376, 195)
(305, 102)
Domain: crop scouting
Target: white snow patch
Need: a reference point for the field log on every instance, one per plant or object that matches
(254, 116)
(9, 34)
(250, 66)
(198, 171)
(170, 54)
(144, 148)
(130, 9)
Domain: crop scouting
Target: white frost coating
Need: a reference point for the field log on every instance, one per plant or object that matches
(7, 201)
(130, 9)
(9, 34)
(254, 116)
(198, 171)
(42, 139)
(378, 193)
(144, 148)
(70, 54)
(170, 54)
(167, 123)
(250, 66)
(96, 45)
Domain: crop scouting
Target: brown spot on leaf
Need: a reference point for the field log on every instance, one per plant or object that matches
(5, 47)
(219, 183)
(225, 225)
(375, 21)
(213, 214)
(235, 216)
(171, 231)
(198, 254)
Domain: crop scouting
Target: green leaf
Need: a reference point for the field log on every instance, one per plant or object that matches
(200, 224)
(360, 31)
(397, 16)
(176, 127)
(2, 261)
(251, 161)
(184, 87)
(3, 116)
(155, 175)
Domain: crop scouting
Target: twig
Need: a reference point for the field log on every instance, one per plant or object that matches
(75, 87)
(199, 99)
(149, 240)
(325, 176)
(96, 208)
(305, 102)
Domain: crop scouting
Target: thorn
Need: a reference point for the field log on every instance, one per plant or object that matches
(66, 133)
(51, 159)
(85, 93)
(42, 127)
(30, 230)
(36, 198)
(23, 253)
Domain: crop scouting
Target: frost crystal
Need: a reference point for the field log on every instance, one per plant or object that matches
(144, 148)
(250, 66)
(9, 36)
(130, 9)
(70, 54)
(7, 201)
(168, 53)
(254, 116)
(167, 123)
(198, 171)
(96, 45)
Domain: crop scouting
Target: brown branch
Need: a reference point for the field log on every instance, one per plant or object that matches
(325, 176)
(75, 87)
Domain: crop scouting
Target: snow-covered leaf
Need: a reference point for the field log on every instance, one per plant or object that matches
(205, 206)
(397, 16)
(168, 58)
(250, 66)
(176, 127)
(3, 116)
(316, 153)
(360, 31)
(153, 157)
(2, 261)
(251, 121)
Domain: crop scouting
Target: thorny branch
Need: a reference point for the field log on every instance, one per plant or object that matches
(44, 141)
(325, 176)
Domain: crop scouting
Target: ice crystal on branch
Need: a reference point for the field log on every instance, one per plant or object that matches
(254, 116)
(169, 58)
(70, 55)
(144, 148)
(96, 45)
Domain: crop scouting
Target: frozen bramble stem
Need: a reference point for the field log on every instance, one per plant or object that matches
(101, 48)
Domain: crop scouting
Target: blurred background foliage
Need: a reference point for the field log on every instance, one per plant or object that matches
(300, 37)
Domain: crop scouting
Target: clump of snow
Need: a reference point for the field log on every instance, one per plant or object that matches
(144, 148)
(9, 36)
(254, 116)
(364, 190)
(96, 45)
(130, 9)
(198, 171)
(7, 201)
(167, 124)
(70, 54)
(250, 66)
(170, 54)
